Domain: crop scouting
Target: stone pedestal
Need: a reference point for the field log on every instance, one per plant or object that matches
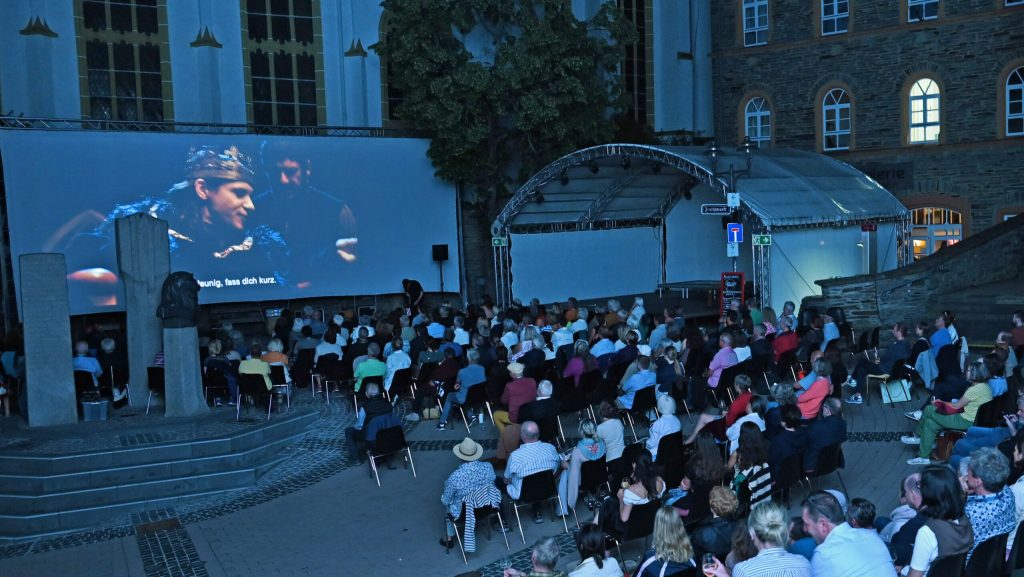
(50, 382)
(182, 375)
(143, 260)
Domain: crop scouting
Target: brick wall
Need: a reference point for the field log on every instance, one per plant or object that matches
(969, 50)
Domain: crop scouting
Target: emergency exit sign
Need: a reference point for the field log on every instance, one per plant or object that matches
(761, 239)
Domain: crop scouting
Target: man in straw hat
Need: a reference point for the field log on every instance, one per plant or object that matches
(471, 483)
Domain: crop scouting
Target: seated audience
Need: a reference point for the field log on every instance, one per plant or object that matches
(723, 359)
(611, 431)
(83, 361)
(768, 527)
(255, 365)
(843, 551)
(825, 431)
(543, 407)
(518, 392)
(671, 552)
(810, 401)
(641, 487)
(714, 535)
(398, 359)
(946, 530)
(791, 440)
(642, 379)
(373, 407)
(977, 437)
(990, 503)
(738, 408)
(471, 483)
(470, 376)
(666, 424)
(217, 361)
(372, 366)
(544, 558)
(754, 414)
(898, 351)
(901, 539)
(532, 456)
(590, 447)
(593, 557)
(750, 467)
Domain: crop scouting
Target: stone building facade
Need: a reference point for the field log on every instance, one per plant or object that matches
(850, 77)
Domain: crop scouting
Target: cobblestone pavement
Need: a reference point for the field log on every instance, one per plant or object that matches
(314, 514)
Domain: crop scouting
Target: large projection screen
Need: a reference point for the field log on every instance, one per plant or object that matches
(591, 264)
(252, 217)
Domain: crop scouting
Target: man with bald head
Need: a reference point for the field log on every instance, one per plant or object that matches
(906, 522)
(533, 456)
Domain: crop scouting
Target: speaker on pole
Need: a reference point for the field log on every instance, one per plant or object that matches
(440, 252)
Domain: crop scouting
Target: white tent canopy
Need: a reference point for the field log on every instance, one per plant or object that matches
(622, 186)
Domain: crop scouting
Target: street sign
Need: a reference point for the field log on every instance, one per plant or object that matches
(761, 239)
(499, 241)
(732, 249)
(732, 199)
(715, 209)
(733, 232)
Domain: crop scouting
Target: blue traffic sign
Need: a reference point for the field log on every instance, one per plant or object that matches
(733, 232)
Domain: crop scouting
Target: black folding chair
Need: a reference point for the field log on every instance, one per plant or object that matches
(479, 513)
(987, 559)
(950, 566)
(326, 372)
(253, 387)
(537, 488)
(156, 384)
(400, 381)
(643, 400)
(277, 378)
(303, 367)
(639, 526)
(1016, 558)
(214, 380)
(830, 460)
(670, 447)
(787, 474)
(389, 441)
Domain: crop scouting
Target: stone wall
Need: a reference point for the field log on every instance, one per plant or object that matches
(917, 291)
(968, 50)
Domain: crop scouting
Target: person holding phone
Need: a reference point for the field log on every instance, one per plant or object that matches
(768, 525)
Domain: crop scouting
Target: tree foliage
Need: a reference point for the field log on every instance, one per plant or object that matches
(503, 87)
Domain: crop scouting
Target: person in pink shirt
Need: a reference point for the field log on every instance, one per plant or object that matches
(810, 402)
(724, 358)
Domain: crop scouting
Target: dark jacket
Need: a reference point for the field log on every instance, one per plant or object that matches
(713, 536)
(821, 433)
(786, 444)
(539, 410)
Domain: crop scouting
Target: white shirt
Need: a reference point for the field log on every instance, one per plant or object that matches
(355, 333)
(588, 568)
(742, 354)
(561, 337)
(849, 552)
(602, 347)
(733, 432)
(510, 340)
(926, 549)
(326, 348)
(461, 336)
(665, 425)
(579, 325)
(397, 360)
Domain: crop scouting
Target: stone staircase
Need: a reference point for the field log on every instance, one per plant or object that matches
(44, 495)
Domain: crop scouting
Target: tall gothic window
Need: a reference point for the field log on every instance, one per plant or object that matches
(924, 112)
(835, 115)
(758, 121)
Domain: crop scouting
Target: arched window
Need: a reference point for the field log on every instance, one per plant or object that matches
(933, 229)
(758, 121)
(1015, 103)
(835, 116)
(924, 112)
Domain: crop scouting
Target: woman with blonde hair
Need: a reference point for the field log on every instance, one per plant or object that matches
(589, 448)
(768, 527)
(671, 553)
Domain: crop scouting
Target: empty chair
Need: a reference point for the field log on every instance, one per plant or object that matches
(830, 460)
(401, 382)
(214, 380)
(326, 372)
(280, 382)
(987, 559)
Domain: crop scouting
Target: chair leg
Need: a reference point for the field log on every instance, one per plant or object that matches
(564, 523)
(491, 413)
(411, 464)
(238, 406)
(503, 533)
(629, 418)
(561, 432)
(373, 466)
(465, 421)
(519, 521)
(147, 402)
(841, 483)
(270, 404)
(458, 538)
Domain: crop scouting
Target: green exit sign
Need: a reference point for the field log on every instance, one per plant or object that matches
(499, 241)
(762, 239)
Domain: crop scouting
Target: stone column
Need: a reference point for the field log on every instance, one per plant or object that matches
(143, 261)
(50, 379)
(184, 395)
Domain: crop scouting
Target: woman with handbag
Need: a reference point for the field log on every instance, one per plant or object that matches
(957, 416)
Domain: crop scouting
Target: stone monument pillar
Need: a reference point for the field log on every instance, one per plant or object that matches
(50, 379)
(179, 305)
(143, 260)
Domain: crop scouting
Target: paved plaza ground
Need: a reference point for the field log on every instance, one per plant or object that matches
(318, 514)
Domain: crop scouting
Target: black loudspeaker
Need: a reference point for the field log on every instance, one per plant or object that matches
(440, 252)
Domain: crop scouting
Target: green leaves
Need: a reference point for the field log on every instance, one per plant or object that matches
(503, 87)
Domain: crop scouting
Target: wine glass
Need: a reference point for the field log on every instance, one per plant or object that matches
(709, 564)
(505, 563)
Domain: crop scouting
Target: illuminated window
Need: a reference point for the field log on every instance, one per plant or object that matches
(282, 48)
(933, 229)
(835, 16)
(758, 121)
(1015, 102)
(924, 111)
(755, 22)
(918, 10)
(835, 115)
(124, 47)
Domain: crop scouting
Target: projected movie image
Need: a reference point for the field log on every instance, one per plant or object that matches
(252, 219)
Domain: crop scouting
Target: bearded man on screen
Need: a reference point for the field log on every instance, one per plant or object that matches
(319, 226)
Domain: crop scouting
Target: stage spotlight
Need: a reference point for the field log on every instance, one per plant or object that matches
(563, 178)
(593, 167)
(656, 167)
(625, 162)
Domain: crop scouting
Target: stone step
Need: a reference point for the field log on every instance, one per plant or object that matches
(32, 485)
(40, 465)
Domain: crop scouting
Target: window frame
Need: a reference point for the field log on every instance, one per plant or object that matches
(113, 40)
(763, 112)
(295, 52)
(759, 31)
(911, 99)
(834, 112)
(1007, 101)
(834, 17)
(923, 4)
